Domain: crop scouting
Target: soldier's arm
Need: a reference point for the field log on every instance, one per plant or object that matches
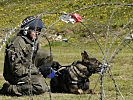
(20, 66)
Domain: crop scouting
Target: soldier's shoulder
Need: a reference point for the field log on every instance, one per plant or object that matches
(17, 41)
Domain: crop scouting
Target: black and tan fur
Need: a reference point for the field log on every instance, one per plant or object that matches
(74, 78)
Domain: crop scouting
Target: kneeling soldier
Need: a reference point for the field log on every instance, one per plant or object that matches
(25, 62)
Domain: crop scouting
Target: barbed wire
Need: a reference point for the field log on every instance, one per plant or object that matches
(5, 39)
(93, 37)
(116, 86)
(118, 49)
(107, 35)
(118, 36)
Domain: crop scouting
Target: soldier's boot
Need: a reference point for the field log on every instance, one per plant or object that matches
(4, 89)
(9, 89)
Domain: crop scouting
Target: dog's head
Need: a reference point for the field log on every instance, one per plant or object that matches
(92, 64)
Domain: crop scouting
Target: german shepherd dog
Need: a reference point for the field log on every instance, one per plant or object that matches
(75, 77)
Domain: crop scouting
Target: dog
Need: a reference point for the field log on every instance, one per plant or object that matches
(74, 78)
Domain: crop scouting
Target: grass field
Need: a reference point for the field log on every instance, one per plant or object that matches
(122, 69)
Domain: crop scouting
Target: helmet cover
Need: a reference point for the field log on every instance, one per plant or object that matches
(32, 23)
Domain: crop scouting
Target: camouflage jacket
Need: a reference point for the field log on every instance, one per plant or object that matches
(18, 60)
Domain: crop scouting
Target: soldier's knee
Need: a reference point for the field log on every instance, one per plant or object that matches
(43, 53)
(40, 89)
(43, 58)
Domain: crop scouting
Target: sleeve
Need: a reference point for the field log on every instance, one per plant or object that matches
(19, 65)
(16, 64)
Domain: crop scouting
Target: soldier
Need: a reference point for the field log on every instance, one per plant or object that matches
(24, 61)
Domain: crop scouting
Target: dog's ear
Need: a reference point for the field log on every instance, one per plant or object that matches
(84, 56)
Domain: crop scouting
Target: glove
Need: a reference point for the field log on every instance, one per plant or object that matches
(45, 71)
(52, 74)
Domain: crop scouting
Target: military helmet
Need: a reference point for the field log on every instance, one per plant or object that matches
(32, 23)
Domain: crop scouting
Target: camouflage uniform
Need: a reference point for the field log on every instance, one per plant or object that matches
(17, 64)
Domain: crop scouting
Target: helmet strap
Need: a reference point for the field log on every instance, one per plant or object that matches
(26, 30)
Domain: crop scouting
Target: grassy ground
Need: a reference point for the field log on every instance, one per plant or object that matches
(122, 70)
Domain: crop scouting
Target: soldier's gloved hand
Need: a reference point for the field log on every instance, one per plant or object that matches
(52, 74)
(45, 71)
(55, 65)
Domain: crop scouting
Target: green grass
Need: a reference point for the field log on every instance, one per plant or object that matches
(66, 53)
(122, 72)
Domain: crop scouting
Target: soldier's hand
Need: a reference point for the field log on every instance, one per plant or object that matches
(45, 71)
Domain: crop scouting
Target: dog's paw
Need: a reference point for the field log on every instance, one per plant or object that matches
(91, 91)
(80, 91)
